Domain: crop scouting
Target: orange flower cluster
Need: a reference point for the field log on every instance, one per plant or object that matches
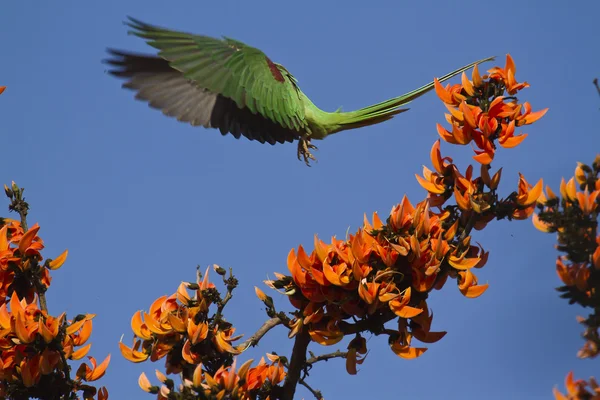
(242, 384)
(34, 343)
(179, 327)
(476, 197)
(386, 270)
(578, 389)
(574, 217)
(36, 346)
(20, 260)
(480, 113)
(382, 270)
(198, 345)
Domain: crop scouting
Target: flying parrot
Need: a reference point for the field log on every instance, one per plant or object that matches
(236, 88)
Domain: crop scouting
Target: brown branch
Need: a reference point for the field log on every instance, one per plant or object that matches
(262, 331)
(372, 324)
(297, 364)
(317, 393)
(325, 357)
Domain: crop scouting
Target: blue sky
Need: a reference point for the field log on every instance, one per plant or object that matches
(140, 199)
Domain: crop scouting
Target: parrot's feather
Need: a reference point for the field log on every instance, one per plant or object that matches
(176, 96)
(230, 68)
(385, 110)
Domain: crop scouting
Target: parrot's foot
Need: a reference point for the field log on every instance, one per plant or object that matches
(304, 145)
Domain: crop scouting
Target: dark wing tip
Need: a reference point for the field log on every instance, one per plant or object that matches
(117, 61)
(138, 28)
(134, 23)
(127, 64)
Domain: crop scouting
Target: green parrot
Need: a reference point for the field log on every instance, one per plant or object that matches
(236, 88)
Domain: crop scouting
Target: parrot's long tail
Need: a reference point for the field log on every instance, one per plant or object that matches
(388, 109)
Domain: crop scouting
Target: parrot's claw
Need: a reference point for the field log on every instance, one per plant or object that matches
(304, 145)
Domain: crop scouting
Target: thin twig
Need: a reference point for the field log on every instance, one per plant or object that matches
(222, 304)
(597, 86)
(325, 357)
(262, 331)
(317, 393)
(468, 227)
(231, 283)
(43, 303)
(21, 207)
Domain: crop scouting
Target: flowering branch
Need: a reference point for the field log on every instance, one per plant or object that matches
(20, 206)
(36, 347)
(198, 343)
(386, 270)
(574, 218)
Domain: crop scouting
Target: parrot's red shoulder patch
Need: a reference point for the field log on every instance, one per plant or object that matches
(275, 71)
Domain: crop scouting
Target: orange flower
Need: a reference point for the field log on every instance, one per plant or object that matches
(578, 389)
(568, 191)
(580, 175)
(587, 201)
(541, 225)
(433, 183)
(95, 372)
(402, 348)
(196, 332)
(132, 354)
(356, 348)
(30, 244)
(326, 334)
(145, 384)
(528, 194)
(468, 285)
(400, 306)
(422, 329)
(449, 94)
(223, 338)
(527, 117)
(507, 139)
(595, 256)
(507, 75)
(575, 274)
(58, 261)
(459, 135)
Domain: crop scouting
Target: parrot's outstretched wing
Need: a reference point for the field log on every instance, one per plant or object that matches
(215, 83)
